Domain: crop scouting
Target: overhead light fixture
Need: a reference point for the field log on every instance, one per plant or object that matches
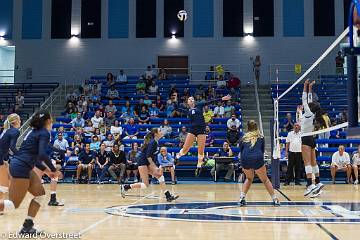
(249, 34)
(173, 36)
(2, 34)
(75, 35)
(2, 39)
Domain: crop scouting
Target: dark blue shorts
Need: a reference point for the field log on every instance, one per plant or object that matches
(252, 164)
(142, 162)
(19, 169)
(197, 131)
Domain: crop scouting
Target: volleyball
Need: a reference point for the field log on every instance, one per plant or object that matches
(182, 15)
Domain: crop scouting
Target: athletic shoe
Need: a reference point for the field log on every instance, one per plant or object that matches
(126, 180)
(173, 183)
(136, 180)
(310, 189)
(30, 232)
(242, 202)
(55, 204)
(319, 187)
(356, 182)
(333, 182)
(276, 202)
(1, 213)
(122, 191)
(314, 195)
(172, 198)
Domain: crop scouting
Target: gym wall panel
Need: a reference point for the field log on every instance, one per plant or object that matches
(324, 18)
(90, 18)
(233, 18)
(203, 18)
(6, 18)
(118, 19)
(32, 19)
(61, 19)
(171, 22)
(146, 18)
(263, 13)
(293, 18)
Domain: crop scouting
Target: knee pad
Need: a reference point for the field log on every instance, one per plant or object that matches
(143, 186)
(308, 169)
(4, 189)
(161, 179)
(8, 205)
(39, 199)
(315, 169)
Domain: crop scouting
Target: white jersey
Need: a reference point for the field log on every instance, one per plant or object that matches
(307, 120)
(356, 158)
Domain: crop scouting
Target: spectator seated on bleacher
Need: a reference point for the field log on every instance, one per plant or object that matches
(78, 121)
(131, 130)
(109, 143)
(149, 73)
(110, 107)
(95, 143)
(89, 130)
(288, 123)
(166, 129)
(208, 114)
(109, 120)
(121, 78)
(225, 151)
(342, 117)
(116, 130)
(182, 136)
(219, 110)
(86, 163)
(166, 162)
(61, 143)
(210, 93)
(144, 116)
(57, 157)
(229, 109)
(356, 165)
(210, 75)
(159, 104)
(141, 86)
(127, 107)
(97, 120)
(154, 111)
(162, 75)
(131, 163)
(147, 101)
(139, 106)
(19, 101)
(233, 136)
(170, 109)
(70, 110)
(112, 93)
(209, 142)
(102, 163)
(61, 129)
(341, 162)
(110, 79)
(86, 114)
(117, 164)
(233, 121)
(153, 88)
(78, 142)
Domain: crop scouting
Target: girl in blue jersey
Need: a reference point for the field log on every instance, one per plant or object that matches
(146, 165)
(24, 179)
(197, 127)
(252, 148)
(8, 139)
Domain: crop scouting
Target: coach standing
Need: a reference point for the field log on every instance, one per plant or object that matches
(293, 153)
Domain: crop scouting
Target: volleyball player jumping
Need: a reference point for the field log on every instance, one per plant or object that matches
(24, 179)
(146, 165)
(313, 117)
(8, 139)
(197, 127)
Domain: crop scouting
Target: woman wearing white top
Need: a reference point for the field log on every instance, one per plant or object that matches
(116, 130)
(356, 165)
(312, 113)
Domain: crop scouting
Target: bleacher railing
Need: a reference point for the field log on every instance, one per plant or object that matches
(56, 96)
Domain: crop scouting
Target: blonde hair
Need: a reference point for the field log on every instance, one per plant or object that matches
(252, 134)
(11, 119)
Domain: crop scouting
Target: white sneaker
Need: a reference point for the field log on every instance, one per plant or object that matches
(356, 182)
(136, 180)
(310, 189)
(314, 195)
(319, 187)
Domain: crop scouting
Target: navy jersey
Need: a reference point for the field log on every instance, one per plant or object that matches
(252, 157)
(149, 152)
(195, 114)
(8, 139)
(35, 148)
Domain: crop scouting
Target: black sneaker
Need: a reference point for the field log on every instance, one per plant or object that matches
(172, 198)
(242, 202)
(55, 204)
(31, 232)
(276, 202)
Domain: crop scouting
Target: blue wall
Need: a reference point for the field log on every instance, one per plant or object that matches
(118, 18)
(203, 18)
(32, 19)
(293, 18)
(6, 17)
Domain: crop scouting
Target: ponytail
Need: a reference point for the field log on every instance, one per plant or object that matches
(148, 137)
(38, 121)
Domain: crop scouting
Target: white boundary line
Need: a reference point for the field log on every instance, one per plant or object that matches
(92, 226)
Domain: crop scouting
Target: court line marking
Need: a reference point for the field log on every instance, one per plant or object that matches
(332, 236)
(94, 225)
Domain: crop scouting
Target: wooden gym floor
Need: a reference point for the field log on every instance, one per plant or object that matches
(99, 212)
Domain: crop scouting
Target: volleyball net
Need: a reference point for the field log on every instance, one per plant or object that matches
(329, 72)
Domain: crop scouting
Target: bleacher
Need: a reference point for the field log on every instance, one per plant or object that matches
(34, 95)
(187, 163)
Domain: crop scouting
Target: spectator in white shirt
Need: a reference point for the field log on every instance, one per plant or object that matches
(19, 99)
(219, 110)
(149, 73)
(116, 130)
(78, 121)
(153, 89)
(340, 162)
(166, 129)
(233, 121)
(356, 165)
(122, 78)
(110, 107)
(97, 120)
(293, 153)
(61, 143)
(109, 143)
